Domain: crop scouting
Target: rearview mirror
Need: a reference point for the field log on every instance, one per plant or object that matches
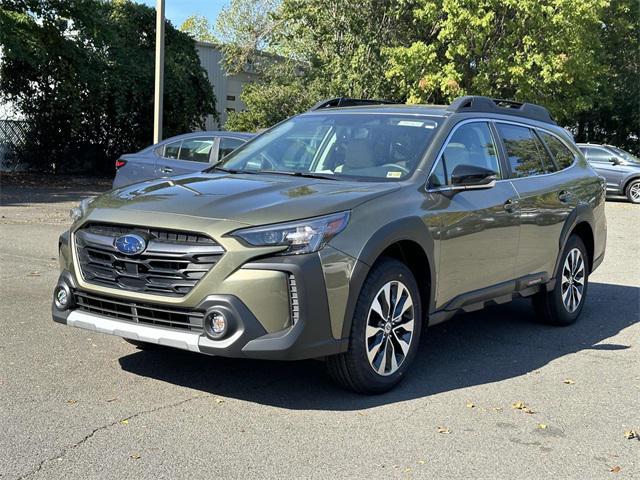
(472, 177)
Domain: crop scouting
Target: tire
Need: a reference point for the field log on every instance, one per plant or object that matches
(372, 333)
(633, 191)
(142, 345)
(562, 305)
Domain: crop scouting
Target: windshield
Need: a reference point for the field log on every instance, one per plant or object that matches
(361, 146)
(626, 155)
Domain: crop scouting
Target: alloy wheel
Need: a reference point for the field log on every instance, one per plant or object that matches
(390, 328)
(634, 192)
(573, 277)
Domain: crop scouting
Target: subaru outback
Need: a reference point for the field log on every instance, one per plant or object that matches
(341, 234)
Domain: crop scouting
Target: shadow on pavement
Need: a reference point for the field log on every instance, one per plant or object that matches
(498, 343)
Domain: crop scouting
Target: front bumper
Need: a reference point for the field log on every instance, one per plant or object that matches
(310, 336)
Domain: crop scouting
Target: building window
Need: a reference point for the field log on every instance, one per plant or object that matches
(231, 98)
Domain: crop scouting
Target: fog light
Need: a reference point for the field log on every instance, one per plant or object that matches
(61, 298)
(217, 324)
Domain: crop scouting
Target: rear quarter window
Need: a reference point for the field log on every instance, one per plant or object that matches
(563, 156)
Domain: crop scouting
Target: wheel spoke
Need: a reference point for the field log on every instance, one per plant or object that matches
(376, 307)
(373, 331)
(372, 352)
(383, 361)
(404, 345)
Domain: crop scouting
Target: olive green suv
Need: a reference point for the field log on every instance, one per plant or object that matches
(341, 234)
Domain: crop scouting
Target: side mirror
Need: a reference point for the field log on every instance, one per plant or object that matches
(472, 177)
(616, 161)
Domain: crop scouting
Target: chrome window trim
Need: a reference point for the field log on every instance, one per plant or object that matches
(496, 120)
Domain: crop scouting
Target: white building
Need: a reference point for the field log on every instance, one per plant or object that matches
(227, 88)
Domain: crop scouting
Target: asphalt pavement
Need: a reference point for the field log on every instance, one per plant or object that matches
(80, 405)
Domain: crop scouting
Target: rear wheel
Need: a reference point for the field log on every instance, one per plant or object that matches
(385, 331)
(563, 304)
(633, 191)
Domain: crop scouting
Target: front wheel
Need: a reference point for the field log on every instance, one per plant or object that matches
(385, 331)
(633, 191)
(563, 304)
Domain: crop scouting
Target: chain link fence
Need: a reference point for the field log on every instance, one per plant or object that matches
(13, 137)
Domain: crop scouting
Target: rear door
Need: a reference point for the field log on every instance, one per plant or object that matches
(600, 159)
(190, 154)
(546, 196)
(479, 231)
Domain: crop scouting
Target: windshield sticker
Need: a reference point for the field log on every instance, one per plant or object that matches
(394, 174)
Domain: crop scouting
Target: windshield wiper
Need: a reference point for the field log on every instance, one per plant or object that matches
(302, 174)
(232, 171)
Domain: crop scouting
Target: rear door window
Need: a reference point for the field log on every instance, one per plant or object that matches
(597, 154)
(196, 149)
(563, 156)
(526, 153)
(172, 150)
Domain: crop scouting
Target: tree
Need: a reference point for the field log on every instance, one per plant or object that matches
(316, 49)
(530, 50)
(82, 74)
(615, 115)
(199, 28)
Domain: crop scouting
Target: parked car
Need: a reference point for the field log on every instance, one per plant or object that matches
(620, 168)
(178, 155)
(340, 234)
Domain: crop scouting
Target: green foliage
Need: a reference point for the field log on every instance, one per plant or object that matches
(81, 72)
(199, 28)
(577, 57)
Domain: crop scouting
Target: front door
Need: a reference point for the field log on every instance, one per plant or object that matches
(600, 160)
(479, 229)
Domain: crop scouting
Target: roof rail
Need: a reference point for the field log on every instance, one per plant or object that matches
(474, 103)
(348, 102)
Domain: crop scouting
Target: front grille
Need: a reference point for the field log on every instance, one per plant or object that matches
(172, 263)
(136, 312)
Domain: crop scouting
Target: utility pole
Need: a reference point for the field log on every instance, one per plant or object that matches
(159, 73)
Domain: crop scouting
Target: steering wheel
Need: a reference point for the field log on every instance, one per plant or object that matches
(395, 166)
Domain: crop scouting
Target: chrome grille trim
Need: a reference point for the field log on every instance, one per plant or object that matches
(171, 265)
(294, 304)
(136, 312)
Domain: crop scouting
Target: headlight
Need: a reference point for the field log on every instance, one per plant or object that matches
(76, 213)
(303, 236)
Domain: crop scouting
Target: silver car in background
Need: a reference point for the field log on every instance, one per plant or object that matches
(621, 169)
(178, 155)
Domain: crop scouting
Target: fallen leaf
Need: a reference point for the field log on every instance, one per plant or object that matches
(33, 274)
(497, 409)
(522, 407)
(135, 456)
(420, 462)
(631, 434)
(407, 470)
(470, 405)
(615, 469)
(568, 381)
(443, 430)
(72, 402)
(219, 400)
(542, 426)
(112, 400)
(124, 422)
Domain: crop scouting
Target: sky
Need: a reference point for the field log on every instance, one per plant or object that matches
(178, 10)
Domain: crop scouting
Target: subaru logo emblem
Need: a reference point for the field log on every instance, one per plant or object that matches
(130, 244)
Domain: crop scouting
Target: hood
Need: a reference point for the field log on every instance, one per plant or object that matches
(250, 199)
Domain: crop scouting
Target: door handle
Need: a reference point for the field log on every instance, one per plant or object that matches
(166, 170)
(511, 205)
(564, 196)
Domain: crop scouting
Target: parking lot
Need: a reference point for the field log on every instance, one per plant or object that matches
(77, 405)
